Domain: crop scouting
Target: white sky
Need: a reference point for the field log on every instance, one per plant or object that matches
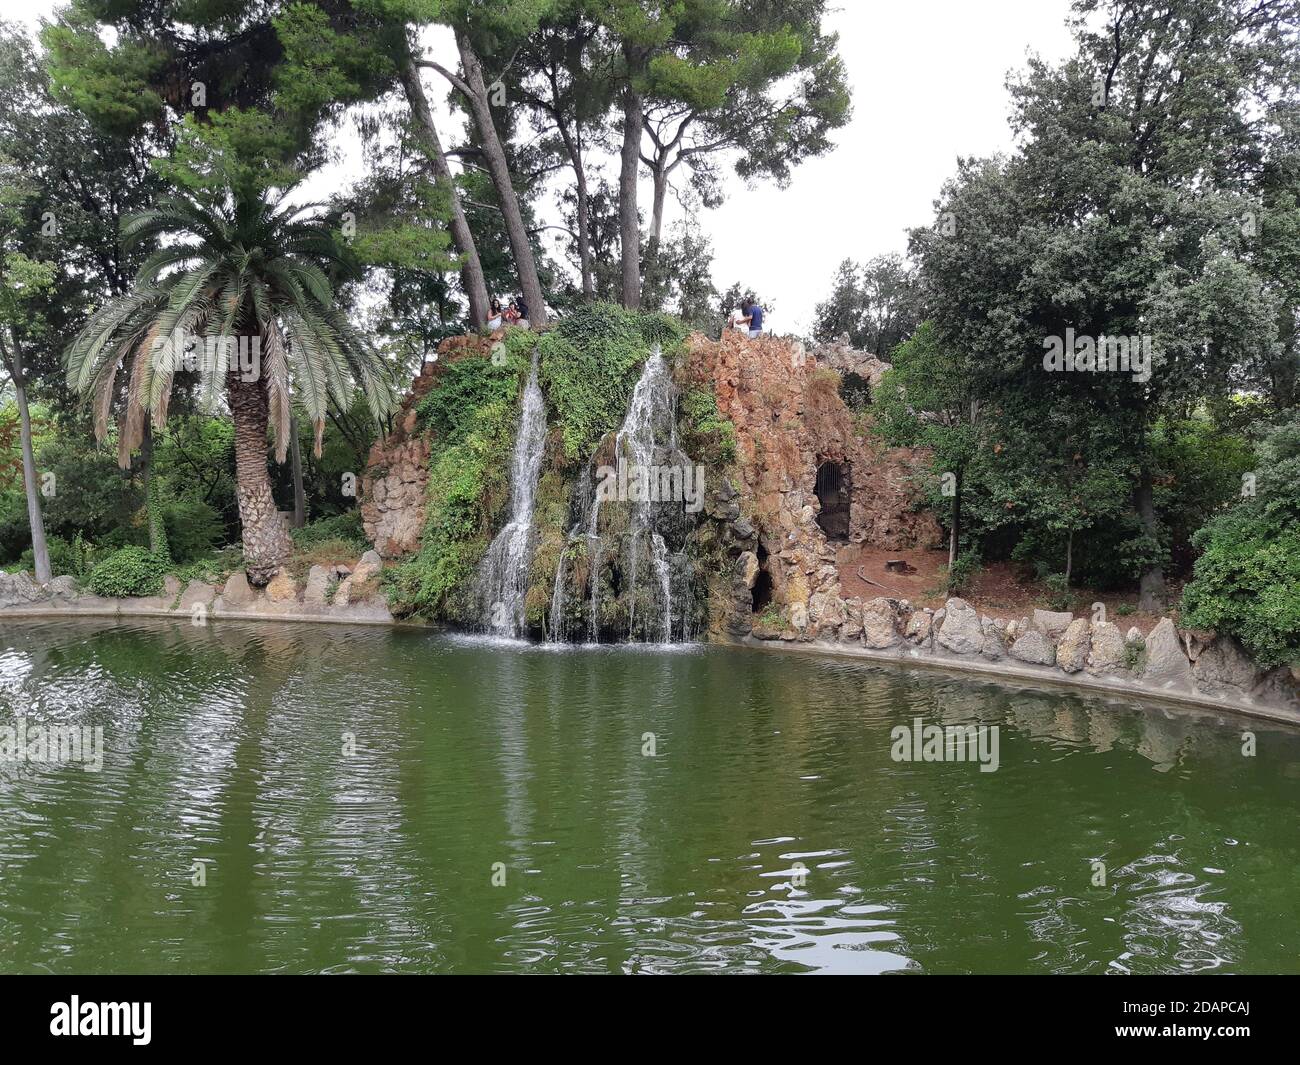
(928, 80)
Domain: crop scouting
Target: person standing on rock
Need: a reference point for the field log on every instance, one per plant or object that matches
(751, 316)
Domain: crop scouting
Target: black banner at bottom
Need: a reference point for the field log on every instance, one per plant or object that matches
(141, 1013)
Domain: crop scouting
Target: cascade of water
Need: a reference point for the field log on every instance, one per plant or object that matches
(503, 574)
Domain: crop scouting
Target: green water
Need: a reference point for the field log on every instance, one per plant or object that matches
(224, 746)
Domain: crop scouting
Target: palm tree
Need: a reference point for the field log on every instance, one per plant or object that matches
(239, 292)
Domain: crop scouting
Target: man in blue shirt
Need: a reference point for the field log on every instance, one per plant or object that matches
(752, 315)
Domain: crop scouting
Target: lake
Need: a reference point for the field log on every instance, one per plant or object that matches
(295, 798)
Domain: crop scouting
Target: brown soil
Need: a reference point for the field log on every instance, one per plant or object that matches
(1001, 590)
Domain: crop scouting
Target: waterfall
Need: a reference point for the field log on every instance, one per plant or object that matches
(503, 574)
(644, 444)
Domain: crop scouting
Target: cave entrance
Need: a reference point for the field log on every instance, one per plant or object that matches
(762, 590)
(832, 489)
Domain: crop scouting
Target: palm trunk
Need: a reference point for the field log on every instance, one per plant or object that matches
(499, 169)
(471, 269)
(35, 519)
(266, 540)
(299, 492)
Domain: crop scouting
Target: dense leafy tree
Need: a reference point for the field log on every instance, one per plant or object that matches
(876, 305)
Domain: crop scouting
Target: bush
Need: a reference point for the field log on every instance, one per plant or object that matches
(345, 527)
(589, 365)
(1059, 596)
(962, 573)
(73, 558)
(464, 387)
(192, 528)
(1246, 583)
(127, 572)
(709, 437)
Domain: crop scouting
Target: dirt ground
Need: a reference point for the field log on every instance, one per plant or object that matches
(1000, 591)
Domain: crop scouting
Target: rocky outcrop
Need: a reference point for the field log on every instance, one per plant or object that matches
(17, 589)
(840, 355)
(789, 421)
(397, 470)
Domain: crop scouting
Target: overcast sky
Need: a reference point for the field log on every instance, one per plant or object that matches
(928, 80)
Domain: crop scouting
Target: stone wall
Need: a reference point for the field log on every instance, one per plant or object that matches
(789, 419)
(1180, 664)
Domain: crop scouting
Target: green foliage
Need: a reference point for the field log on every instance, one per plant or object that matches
(463, 387)
(344, 527)
(708, 436)
(468, 484)
(961, 574)
(590, 363)
(1246, 582)
(130, 571)
(1059, 596)
(72, 558)
(192, 528)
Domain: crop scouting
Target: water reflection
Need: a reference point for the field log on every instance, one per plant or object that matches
(351, 794)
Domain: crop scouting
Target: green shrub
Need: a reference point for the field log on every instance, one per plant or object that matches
(1246, 583)
(464, 387)
(192, 528)
(1059, 596)
(73, 558)
(589, 365)
(346, 527)
(468, 485)
(709, 437)
(129, 571)
(962, 573)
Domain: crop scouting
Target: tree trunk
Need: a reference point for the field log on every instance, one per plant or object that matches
(299, 492)
(471, 269)
(266, 540)
(629, 169)
(1151, 585)
(584, 208)
(499, 169)
(35, 519)
(153, 502)
(650, 268)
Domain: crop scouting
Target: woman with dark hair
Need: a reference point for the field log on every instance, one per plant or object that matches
(495, 315)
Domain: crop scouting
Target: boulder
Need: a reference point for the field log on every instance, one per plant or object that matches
(237, 592)
(196, 592)
(994, 645)
(343, 593)
(747, 564)
(282, 588)
(368, 567)
(318, 585)
(1052, 623)
(1166, 662)
(171, 586)
(879, 624)
(18, 589)
(961, 631)
(1107, 651)
(1072, 650)
(63, 589)
(1134, 636)
(1223, 668)
(1034, 647)
(919, 627)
